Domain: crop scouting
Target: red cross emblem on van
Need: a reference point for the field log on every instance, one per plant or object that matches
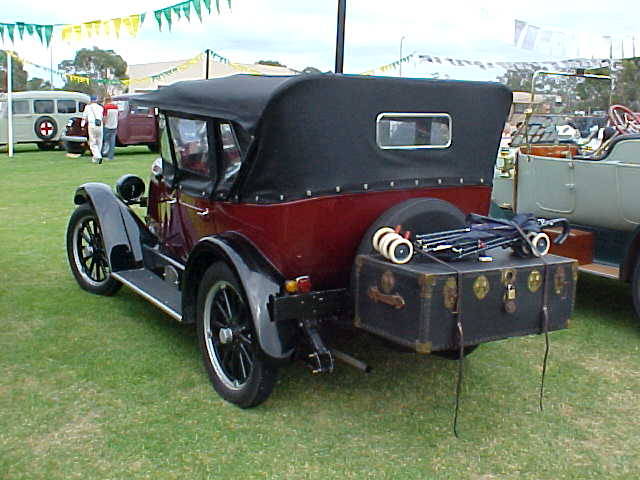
(46, 128)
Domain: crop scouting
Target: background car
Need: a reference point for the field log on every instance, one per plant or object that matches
(40, 116)
(137, 125)
(593, 183)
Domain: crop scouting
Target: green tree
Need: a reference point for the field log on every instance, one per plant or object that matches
(272, 63)
(37, 83)
(517, 80)
(96, 64)
(627, 89)
(18, 73)
(311, 70)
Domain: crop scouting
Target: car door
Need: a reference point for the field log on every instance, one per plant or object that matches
(545, 185)
(163, 211)
(194, 150)
(626, 157)
(23, 119)
(140, 125)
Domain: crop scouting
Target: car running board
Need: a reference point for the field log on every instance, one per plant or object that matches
(153, 289)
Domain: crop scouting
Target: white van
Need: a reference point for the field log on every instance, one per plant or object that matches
(40, 116)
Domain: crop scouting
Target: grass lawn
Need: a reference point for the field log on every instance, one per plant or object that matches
(110, 388)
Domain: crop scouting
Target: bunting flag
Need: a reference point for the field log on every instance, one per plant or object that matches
(166, 16)
(165, 73)
(78, 78)
(113, 27)
(43, 32)
(243, 68)
(68, 76)
(390, 66)
(582, 43)
(556, 64)
(201, 57)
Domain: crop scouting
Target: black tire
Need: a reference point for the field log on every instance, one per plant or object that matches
(423, 215)
(232, 357)
(75, 148)
(45, 128)
(46, 146)
(86, 253)
(455, 354)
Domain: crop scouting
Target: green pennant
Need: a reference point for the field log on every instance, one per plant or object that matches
(207, 3)
(10, 29)
(48, 31)
(229, 3)
(39, 32)
(167, 15)
(177, 10)
(198, 8)
(29, 28)
(2, 32)
(158, 15)
(20, 29)
(186, 9)
(142, 17)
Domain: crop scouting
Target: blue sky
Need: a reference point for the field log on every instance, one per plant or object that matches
(301, 33)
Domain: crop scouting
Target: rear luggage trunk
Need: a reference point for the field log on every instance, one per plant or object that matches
(416, 305)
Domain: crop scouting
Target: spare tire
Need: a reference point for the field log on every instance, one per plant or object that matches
(418, 215)
(45, 128)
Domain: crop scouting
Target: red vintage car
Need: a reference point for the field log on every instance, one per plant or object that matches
(137, 125)
(284, 206)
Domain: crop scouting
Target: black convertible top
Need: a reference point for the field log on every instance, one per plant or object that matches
(316, 134)
(239, 98)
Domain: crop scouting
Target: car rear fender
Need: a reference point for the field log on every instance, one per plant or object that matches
(259, 278)
(121, 229)
(631, 256)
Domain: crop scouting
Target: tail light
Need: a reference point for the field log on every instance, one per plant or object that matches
(304, 284)
(299, 285)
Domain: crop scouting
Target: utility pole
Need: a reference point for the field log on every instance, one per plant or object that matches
(9, 103)
(206, 68)
(342, 8)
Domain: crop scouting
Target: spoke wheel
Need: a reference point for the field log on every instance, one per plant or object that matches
(86, 252)
(231, 354)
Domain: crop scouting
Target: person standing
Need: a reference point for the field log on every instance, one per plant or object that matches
(110, 128)
(92, 117)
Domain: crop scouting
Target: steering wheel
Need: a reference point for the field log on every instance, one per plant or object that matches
(623, 119)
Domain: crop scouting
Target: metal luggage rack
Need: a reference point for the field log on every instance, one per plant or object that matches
(523, 234)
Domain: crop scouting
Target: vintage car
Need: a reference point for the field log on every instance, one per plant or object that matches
(271, 199)
(591, 182)
(39, 116)
(137, 125)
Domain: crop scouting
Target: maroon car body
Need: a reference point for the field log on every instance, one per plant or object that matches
(268, 190)
(137, 125)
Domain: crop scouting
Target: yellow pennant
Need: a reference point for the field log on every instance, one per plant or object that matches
(113, 26)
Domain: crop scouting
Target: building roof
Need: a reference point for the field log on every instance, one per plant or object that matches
(195, 71)
(46, 95)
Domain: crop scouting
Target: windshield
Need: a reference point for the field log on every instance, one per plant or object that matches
(565, 108)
